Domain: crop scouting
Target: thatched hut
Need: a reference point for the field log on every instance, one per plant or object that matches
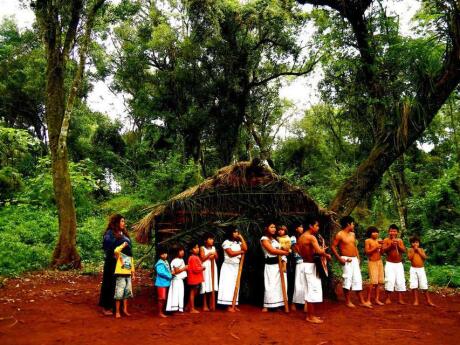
(245, 194)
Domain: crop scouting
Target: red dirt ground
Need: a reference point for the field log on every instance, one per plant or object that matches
(61, 308)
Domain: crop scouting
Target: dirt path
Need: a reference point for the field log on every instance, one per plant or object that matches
(60, 308)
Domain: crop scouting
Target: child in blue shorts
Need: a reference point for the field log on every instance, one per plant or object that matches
(124, 271)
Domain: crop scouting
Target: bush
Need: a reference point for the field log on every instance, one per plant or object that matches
(28, 236)
(10, 182)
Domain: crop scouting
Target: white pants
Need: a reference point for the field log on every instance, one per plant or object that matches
(299, 285)
(352, 279)
(418, 278)
(314, 290)
(394, 277)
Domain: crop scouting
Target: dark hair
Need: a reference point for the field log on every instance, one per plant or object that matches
(114, 225)
(294, 226)
(175, 249)
(229, 230)
(266, 224)
(393, 226)
(414, 238)
(311, 220)
(344, 221)
(370, 230)
(207, 235)
(192, 245)
(162, 250)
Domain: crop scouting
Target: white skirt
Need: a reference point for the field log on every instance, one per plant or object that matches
(227, 282)
(299, 285)
(273, 295)
(175, 300)
(206, 286)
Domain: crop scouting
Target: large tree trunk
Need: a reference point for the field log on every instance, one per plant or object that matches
(65, 252)
(58, 111)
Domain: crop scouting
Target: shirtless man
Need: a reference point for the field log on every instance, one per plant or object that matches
(393, 247)
(307, 246)
(349, 258)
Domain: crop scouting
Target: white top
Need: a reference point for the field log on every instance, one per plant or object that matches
(178, 263)
(234, 246)
(274, 243)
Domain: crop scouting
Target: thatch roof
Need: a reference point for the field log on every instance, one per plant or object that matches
(245, 192)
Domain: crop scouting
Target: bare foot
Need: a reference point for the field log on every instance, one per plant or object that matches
(314, 320)
(237, 309)
(378, 302)
(401, 302)
(162, 315)
(231, 310)
(205, 309)
(194, 311)
(107, 312)
(350, 305)
(293, 307)
(415, 303)
(366, 305)
(126, 313)
(117, 315)
(264, 310)
(388, 301)
(431, 304)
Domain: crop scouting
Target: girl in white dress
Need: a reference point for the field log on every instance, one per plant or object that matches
(208, 254)
(273, 294)
(233, 247)
(176, 290)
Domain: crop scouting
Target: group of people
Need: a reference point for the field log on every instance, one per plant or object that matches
(302, 249)
(392, 275)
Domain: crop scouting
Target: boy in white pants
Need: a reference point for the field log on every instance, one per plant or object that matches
(418, 279)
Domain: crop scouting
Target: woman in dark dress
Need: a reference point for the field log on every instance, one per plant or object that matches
(115, 229)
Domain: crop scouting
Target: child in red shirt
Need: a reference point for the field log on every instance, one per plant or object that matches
(194, 275)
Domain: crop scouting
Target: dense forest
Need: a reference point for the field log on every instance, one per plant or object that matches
(201, 84)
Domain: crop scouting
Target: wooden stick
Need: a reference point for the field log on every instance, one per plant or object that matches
(213, 294)
(238, 279)
(283, 285)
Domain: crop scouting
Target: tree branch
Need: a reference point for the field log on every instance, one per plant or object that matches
(71, 33)
(62, 142)
(292, 72)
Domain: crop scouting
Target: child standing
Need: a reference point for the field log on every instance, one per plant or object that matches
(176, 290)
(195, 275)
(395, 280)
(124, 271)
(418, 279)
(372, 247)
(234, 247)
(163, 279)
(208, 256)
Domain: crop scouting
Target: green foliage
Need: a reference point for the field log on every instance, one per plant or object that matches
(10, 182)
(22, 78)
(28, 236)
(38, 190)
(18, 149)
(89, 239)
(166, 178)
